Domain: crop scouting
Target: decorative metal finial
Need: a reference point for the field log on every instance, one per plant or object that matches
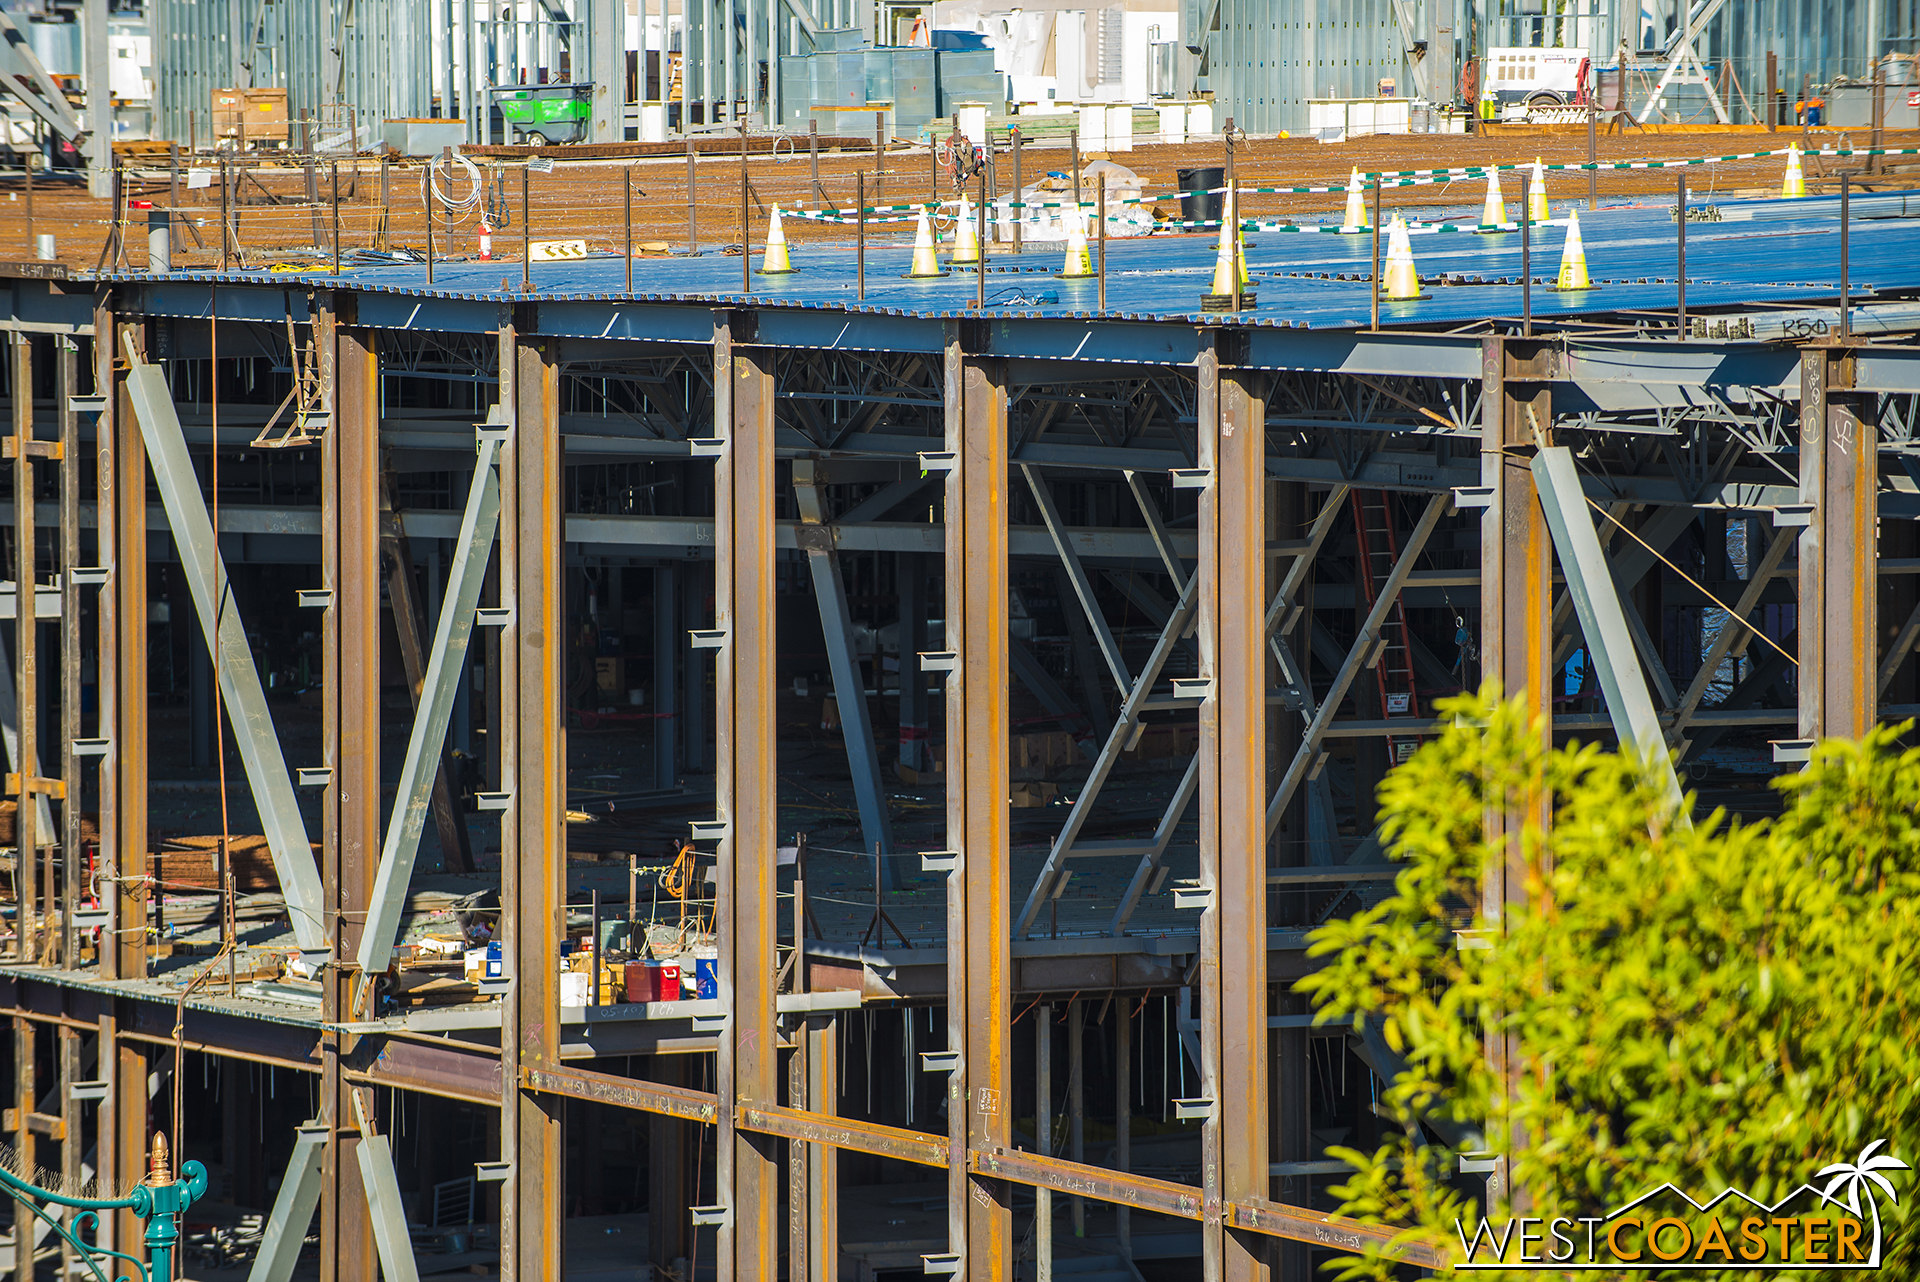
(159, 1165)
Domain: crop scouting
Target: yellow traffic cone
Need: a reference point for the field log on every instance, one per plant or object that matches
(1079, 259)
(1220, 297)
(1573, 258)
(925, 263)
(1240, 245)
(774, 262)
(1537, 194)
(1356, 217)
(1494, 212)
(1401, 280)
(966, 237)
(1795, 184)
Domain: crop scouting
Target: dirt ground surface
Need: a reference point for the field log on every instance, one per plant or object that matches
(282, 217)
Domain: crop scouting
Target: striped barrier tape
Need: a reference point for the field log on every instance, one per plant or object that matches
(1384, 178)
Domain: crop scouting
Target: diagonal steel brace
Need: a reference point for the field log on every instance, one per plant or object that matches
(253, 730)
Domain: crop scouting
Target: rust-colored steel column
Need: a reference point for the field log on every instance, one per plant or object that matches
(979, 952)
(350, 737)
(533, 759)
(30, 935)
(1838, 588)
(954, 401)
(72, 769)
(26, 1096)
(120, 469)
(745, 765)
(123, 662)
(1233, 741)
(1516, 602)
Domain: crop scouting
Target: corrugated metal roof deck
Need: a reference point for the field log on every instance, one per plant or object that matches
(1758, 252)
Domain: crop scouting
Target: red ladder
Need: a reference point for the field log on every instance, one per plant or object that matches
(1379, 549)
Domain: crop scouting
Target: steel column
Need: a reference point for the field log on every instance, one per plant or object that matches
(1516, 562)
(668, 1228)
(979, 953)
(1233, 828)
(32, 817)
(1043, 1140)
(350, 739)
(1839, 686)
(746, 765)
(533, 840)
(122, 474)
(66, 384)
(26, 1099)
(822, 1035)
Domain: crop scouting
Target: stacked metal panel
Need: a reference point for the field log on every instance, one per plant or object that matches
(383, 67)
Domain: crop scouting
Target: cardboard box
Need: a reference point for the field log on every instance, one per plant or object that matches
(1032, 795)
(250, 115)
(610, 675)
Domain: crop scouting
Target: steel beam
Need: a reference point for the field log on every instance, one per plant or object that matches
(250, 718)
(1603, 620)
(1046, 883)
(533, 840)
(746, 767)
(426, 746)
(849, 683)
(1369, 636)
(382, 1186)
(1233, 832)
(1156, 850)
(1733, 637)
(456, 848)
(293, 1208)
(1839, 476)
(1077, 576)
(350, 739)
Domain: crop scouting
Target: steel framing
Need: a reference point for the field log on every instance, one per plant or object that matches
(1235, 413)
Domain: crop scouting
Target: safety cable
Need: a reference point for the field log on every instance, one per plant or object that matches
(1732, 614)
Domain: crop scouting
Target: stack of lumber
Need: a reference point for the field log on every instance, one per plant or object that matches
(194, 861)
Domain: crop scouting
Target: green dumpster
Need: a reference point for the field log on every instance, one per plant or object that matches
(537, 114)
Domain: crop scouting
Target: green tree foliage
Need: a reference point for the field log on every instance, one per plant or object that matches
(1722, 1004)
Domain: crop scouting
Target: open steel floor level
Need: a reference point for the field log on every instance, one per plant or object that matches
(1020, 676)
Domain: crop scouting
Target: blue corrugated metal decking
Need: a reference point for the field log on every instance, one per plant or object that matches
(1762, 251)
